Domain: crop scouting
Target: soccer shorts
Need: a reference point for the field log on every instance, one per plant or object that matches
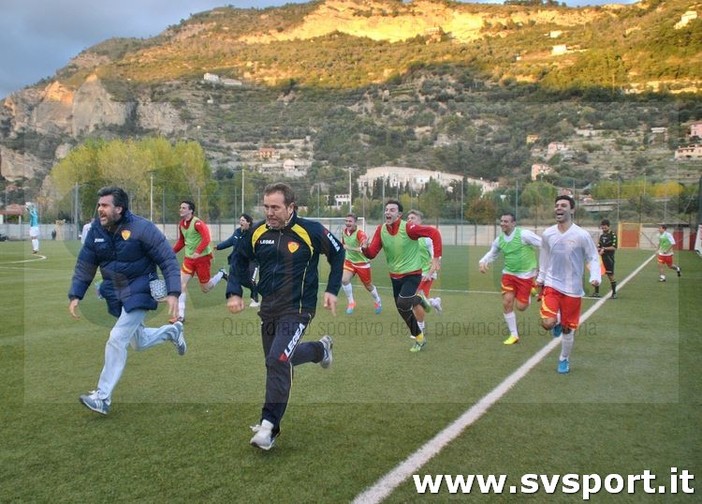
(665, 259)
(554, 301)
(34, 232)
(608, 261)
(520, 286)
(363, 270)
(425, 285)
(199, 267)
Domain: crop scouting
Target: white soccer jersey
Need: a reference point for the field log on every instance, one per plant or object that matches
(563, 257)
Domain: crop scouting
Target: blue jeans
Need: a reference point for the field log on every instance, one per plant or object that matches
(128, 330)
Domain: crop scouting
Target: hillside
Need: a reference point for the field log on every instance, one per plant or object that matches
(339, 83)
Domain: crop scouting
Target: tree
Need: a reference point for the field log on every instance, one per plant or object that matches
(433, 200)
(179, 170)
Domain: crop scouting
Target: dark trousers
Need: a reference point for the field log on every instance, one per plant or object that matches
(404, 291)
(246, 274)
(283, 347)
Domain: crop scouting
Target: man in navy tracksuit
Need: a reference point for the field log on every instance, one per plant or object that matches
(127, 248)
(287, 249)
(248, 270)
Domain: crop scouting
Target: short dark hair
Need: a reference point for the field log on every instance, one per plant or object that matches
(664, 226)
(190, 204)
(247, 218)
(352, 215)
(605, 222)
(394, 202)
(288, 193)
(514, 218)
(417, 213)
(569, 199)
(120, 198)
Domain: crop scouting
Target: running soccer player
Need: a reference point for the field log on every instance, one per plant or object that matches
(664, 256)
(356, 264)
(399, 240)
(565, 249)
(426, 250)
(194, 237)
(519, 248)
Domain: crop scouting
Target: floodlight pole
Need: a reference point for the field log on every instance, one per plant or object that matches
(243, 170)
(151, 198)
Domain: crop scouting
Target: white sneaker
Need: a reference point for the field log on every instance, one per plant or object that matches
(328, 343)
(436, 304)
(263, 437)
(254, 304)
(178, 338)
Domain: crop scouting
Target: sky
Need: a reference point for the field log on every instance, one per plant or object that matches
(38, 37)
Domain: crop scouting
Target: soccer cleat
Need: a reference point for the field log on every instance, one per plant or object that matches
(419, 343)
(677, 268)
(378, 308)
(424, 302)
(614, 295)
(563, 366)
(595, 295)
(436, 304)
(91, 401)
(224, 273)
(254, 304)
(350, 308)
(661, 278)
(417, 347)
(328, 343)
(264, 438)
(557, 330)
(179, 338)
(513, 339)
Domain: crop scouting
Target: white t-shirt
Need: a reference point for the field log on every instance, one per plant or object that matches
(529, 239)
(563, 257)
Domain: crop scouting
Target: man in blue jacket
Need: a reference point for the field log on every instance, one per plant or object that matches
(127, 248)
(287, 249)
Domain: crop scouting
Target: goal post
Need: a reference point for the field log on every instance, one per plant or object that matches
(336, 224)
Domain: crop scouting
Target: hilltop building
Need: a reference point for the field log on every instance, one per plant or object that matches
(398, 176)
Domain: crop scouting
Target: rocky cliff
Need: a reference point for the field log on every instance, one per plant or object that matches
(40, 124)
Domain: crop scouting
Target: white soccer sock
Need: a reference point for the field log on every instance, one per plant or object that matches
(421, 325)
(35, 244)
(215, 279)
(567, 342)
(348, 290)
(181, 305)
(511, 319)
(376, 296)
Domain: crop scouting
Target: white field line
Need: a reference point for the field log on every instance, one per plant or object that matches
(33, 259)
(390, 481)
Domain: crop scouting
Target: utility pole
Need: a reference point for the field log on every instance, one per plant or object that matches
(350, 192)
(243, 170)
(151, 198)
